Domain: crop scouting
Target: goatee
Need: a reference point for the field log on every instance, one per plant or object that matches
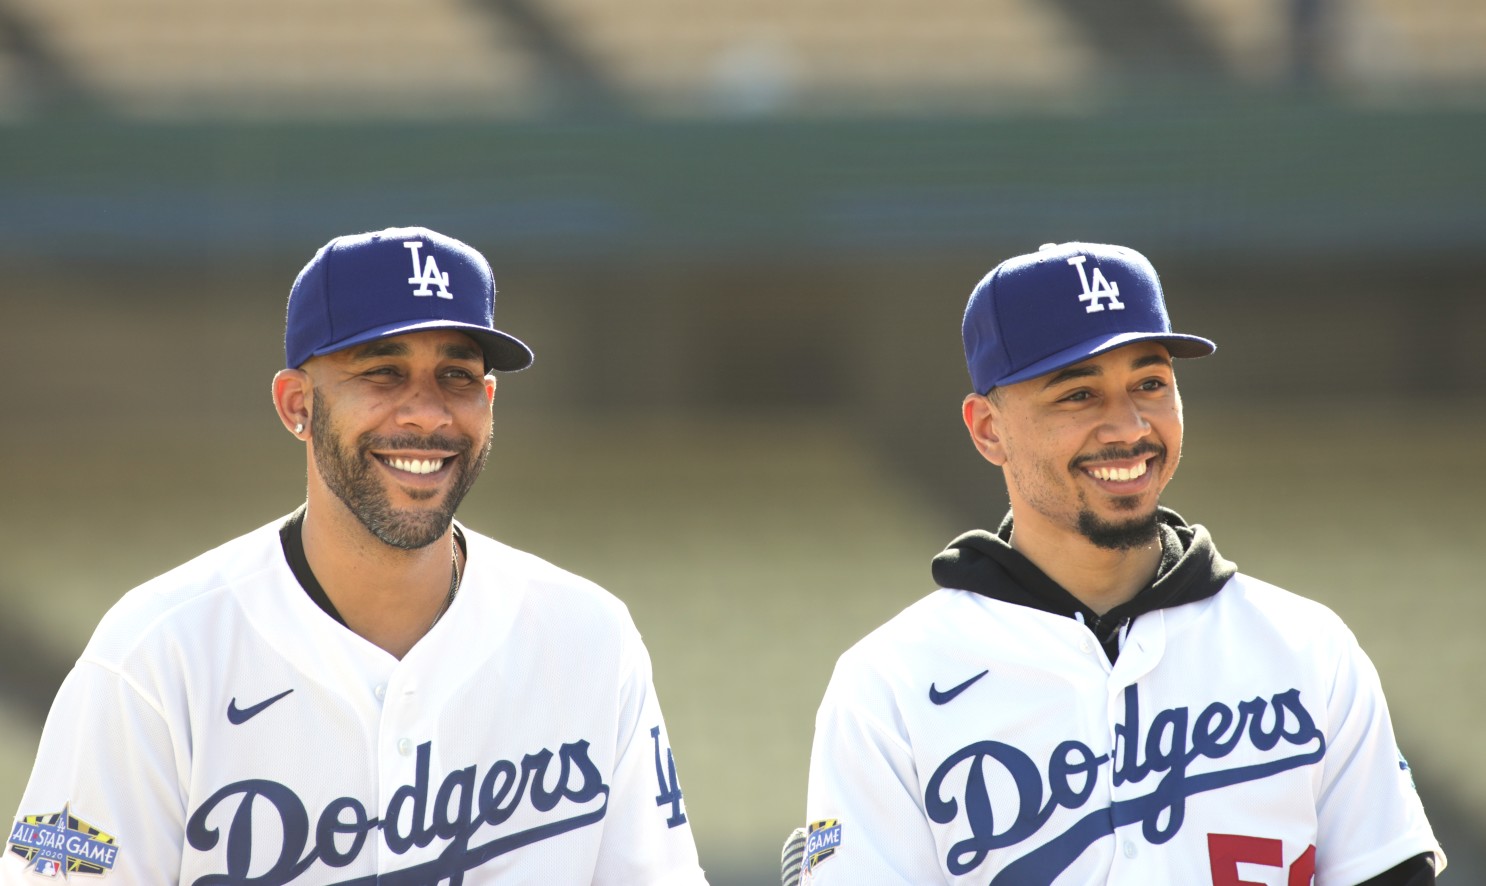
(1123, 535)
(351, 477)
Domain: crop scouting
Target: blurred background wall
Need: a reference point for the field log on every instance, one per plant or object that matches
(739, 235)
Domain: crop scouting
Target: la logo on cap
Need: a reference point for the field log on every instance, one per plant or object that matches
(429, 274)
(1101, 289)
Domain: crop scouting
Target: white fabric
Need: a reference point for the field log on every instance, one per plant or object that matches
(1231, 736)
(520, 741)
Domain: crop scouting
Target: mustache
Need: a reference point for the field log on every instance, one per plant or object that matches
(413, 441)
(1113, 454)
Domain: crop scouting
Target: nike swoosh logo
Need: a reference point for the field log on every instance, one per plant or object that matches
(949, 694)
(238, 716)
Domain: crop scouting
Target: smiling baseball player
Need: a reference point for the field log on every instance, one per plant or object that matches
(365, 691)
(1095, 695)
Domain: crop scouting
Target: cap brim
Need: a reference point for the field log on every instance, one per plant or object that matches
(503, 352)
(1177, 344)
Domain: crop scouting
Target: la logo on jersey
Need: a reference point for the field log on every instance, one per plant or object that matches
(427, 274)
(59, 843)
(1095, 288)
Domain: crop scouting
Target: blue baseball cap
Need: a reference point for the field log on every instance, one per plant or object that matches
(1066, 302)
(363, 287)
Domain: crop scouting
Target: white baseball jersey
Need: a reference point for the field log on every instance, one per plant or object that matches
(221, 728)
(1238, 739)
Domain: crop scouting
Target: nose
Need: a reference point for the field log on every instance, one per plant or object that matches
(1124, 422)
(423, 407)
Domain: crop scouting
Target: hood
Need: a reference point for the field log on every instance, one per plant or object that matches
(1191, 569)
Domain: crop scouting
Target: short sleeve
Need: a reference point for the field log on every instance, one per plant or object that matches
(107, 758)
(1369, 816)
(865, 823)
(647, 832)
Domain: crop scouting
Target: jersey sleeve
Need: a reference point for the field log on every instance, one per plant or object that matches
(865, 818)
(647, 833)
(1369, 817)
(108, 762)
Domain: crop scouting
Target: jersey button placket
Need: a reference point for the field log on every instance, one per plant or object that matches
(404, 719)
(1126, 850)
(398, 741)
(398, 749)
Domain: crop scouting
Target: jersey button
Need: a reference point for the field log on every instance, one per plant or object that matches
(1083, 646)
(1129, 849)
(405, 747)
(381, 691)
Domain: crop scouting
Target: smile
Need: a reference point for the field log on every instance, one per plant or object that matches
(1118, 474)
(413, 465)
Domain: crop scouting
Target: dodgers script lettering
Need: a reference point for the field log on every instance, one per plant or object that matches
(461, 806)
(1172, 742)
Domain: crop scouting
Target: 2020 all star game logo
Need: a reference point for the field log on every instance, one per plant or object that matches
(59, 844)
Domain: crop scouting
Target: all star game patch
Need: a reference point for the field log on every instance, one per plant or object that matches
(61, 844)
(822, 840)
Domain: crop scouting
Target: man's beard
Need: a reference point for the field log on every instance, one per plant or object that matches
(353, 479)
(1123, 535)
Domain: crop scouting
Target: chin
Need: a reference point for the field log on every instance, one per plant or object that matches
(1133, 531)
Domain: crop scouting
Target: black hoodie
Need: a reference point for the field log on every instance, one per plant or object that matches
(1191, 569)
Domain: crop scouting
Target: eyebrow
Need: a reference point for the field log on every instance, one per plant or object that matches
(461, 351)
(388, 348)
(382, 348)
(1089, 370)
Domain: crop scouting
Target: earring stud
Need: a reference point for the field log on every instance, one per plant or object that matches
(299, 428)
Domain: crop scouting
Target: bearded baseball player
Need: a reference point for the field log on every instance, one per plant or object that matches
(1094, 694)
(365, 691)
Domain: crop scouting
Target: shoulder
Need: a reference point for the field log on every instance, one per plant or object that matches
(1256, 623)
(544, 589)
(1291, 617)
(923, 621)
(945, 625)
(183, 599)
(944, 621)
(549, 611)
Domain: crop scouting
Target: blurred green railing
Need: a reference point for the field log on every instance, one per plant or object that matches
(1206, 176)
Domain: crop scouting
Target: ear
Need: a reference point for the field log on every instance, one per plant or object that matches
(983, 420)
(490, 386)
(291, 398)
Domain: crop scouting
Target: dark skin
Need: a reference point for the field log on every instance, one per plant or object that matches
(1101, 437)
(421, 385)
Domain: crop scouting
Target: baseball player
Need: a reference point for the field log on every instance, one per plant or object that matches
(1094, 694)
(366, 691)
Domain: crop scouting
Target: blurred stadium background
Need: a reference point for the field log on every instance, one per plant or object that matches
(739, 235)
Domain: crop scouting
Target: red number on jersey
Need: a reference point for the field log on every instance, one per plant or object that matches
(1225, 852)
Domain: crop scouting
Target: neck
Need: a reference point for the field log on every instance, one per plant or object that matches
(1099, 578)
(388, 596)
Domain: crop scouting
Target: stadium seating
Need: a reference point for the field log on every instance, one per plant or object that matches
(327, 57)
(411, 58)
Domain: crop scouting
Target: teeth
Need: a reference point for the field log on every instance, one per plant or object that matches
(1119, 474)
(416, 465)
